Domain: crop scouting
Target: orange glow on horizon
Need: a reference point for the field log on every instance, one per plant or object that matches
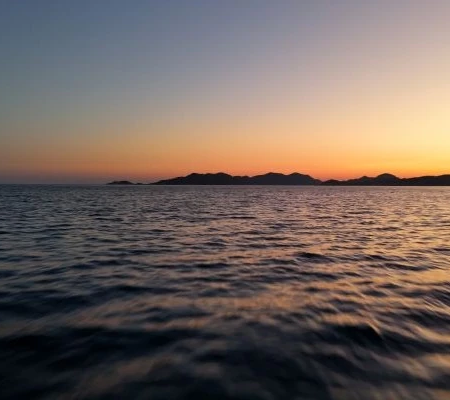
(343, 91)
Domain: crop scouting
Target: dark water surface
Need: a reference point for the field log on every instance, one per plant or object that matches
(224, 293)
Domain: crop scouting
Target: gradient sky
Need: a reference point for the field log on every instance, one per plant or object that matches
(142, 90)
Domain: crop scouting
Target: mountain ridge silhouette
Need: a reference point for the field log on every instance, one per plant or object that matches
(295, 179)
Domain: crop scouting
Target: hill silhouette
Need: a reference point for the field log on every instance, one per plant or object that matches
(274, 178)
(392, 180)
(380, 180)
(271, 178)
(121, 183)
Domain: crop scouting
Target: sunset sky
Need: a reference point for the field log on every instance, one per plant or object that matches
(141, 90)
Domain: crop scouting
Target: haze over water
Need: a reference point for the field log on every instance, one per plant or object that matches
(224, 292)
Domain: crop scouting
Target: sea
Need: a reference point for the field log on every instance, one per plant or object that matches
(224, 292)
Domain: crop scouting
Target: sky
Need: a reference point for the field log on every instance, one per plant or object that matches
(97, 90)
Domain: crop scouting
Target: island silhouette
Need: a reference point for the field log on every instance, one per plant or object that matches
(295, 179)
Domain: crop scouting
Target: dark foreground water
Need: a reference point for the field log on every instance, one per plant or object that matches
(224, 293)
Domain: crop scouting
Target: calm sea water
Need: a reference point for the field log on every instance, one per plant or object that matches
(224, 293)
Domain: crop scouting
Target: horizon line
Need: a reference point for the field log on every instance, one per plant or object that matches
(102, 181)
(384, 175)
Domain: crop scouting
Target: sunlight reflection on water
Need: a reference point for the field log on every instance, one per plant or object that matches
(224, 292)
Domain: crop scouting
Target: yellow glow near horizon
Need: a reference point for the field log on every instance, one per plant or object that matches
(335, 91)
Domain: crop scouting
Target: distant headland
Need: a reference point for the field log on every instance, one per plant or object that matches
(295, 179)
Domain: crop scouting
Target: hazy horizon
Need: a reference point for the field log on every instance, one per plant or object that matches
(98, 180)
(148, 90)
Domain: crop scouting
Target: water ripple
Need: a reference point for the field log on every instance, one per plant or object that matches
(224, 292)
